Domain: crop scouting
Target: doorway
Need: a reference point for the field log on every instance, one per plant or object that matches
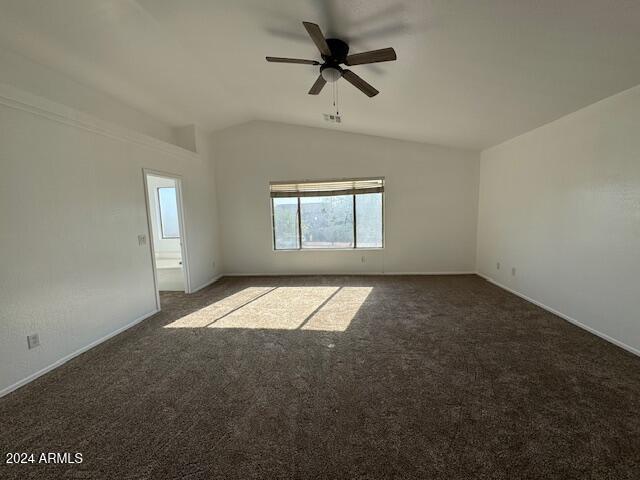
(166, 229)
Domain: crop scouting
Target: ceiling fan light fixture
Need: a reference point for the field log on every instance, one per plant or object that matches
(331, 74)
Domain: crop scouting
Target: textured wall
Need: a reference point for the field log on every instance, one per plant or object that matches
(430, 199)
(22, 73)
(71, 208)
(561, 204)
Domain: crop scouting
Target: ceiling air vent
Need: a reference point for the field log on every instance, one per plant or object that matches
(332, 118)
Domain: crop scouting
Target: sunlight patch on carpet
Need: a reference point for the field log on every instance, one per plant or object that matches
(339, 311)
(326, 308)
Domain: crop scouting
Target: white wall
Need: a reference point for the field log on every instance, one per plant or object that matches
(71, 208)
(164, 247)
(22, 73)
(430, 198)
(561, 204)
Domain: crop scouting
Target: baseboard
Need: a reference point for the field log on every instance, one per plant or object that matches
(206, 284)
(569, 319)
(66, 358)
(428, 273)
(319, 274)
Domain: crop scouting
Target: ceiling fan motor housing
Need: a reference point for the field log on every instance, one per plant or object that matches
(331, 70)
(339, 51)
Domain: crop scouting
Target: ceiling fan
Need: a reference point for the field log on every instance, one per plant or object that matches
(335, 52)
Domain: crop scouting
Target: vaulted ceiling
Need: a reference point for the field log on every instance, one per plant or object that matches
(469, 73)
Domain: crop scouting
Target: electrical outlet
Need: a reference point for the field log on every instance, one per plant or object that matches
(498, 266)
(142, 239)
(33, 341)
(513, 271)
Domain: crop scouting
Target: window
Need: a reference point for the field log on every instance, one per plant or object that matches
(285, 223)
(168, 207)
(369, 220)
(327, 222)
(325, 215)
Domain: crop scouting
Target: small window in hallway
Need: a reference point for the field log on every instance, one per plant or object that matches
(168, 206)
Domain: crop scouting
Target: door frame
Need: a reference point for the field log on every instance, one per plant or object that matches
(181, 224)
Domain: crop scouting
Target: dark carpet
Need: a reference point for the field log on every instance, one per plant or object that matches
(339, 378)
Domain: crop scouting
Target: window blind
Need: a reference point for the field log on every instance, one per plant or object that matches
(327, 188)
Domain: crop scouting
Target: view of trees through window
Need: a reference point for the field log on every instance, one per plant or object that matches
(285, 223)
(328, 222)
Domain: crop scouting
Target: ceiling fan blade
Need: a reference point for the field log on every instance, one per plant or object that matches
(292, 60)
(359, 83)
(318, 38)
(373, 56)
(317, 86)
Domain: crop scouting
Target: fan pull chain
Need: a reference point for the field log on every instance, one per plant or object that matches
(333, 94)
(335, 99)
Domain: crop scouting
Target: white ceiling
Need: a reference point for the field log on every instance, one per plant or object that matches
(469, 73)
